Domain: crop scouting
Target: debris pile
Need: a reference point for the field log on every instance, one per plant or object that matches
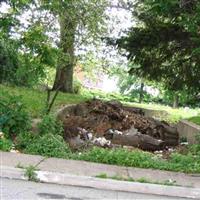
(108, 123)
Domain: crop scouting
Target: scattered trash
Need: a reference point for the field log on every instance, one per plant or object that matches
(184, 143)
(102, 142)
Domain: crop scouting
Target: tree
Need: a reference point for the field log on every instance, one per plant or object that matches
(80, 22)
(8, 61)
(27, 50)
(165, 43)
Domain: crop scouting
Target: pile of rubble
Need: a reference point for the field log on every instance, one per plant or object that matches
(107, 124)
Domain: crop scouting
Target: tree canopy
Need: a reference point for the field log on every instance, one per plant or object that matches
(165, 44)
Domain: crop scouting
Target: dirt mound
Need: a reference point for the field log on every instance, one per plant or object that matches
(117, 123)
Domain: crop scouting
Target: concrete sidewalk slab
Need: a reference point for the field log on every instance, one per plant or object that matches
(84, 168)
(189, 180)
(12, 173)
(14, 159)
(105, 184)
(115, 185)
(81, 167)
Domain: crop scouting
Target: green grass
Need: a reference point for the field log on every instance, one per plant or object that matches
(195, 120)
(174, 114)
(140, 180)
(35, 100)
(177, 162)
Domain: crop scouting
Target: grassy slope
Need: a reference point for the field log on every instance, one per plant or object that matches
(35, 102)
(195, 120)
(174, 114)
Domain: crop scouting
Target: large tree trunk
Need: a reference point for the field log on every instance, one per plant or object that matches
(176, 101)
(64, 79)
(64, 73)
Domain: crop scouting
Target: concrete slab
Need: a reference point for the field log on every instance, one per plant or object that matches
(106, 184)
(160, 114)
(188, 130)
(84, 168)
(12, 173)
(81, 167)
(161, 176)
(125, 186)
(14, 159)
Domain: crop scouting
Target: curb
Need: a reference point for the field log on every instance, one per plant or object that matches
(103, 184)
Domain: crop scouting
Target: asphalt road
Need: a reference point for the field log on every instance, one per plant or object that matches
(18, 189)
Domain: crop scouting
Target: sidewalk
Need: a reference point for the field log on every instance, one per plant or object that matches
(80, 172)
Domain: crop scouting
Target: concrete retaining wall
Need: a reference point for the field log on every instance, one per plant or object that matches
(155, 113)
(188, 130)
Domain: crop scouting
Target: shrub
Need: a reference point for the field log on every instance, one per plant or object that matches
(24, 139)
(5, 144)
(13, 117)
(49, 145)
(50, 125)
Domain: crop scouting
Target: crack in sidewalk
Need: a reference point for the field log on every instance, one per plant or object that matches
(36, 165)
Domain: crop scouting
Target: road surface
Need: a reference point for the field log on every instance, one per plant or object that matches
(18, 189)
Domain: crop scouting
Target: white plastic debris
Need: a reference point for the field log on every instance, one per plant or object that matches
(101, 141)
(90, 136)
(118, 132)
(184, 143)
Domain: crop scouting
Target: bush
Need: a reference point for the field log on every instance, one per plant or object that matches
(49, 145)
(50, 125)
(24, 139)
(13, 117)
(48, 142)
(5, 144)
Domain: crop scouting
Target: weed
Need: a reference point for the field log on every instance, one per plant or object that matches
(143, 180)
(49, 145)
(103, 175)
(31, 174)
(24, 139)
(13, 116)
(137, 158)
(50, 124)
